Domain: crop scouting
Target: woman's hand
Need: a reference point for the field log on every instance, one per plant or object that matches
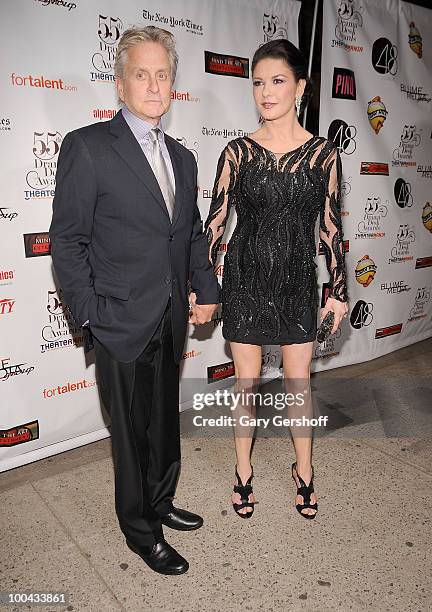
(340, 310)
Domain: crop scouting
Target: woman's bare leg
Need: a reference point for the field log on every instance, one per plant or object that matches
(247, 363)
(296, 365)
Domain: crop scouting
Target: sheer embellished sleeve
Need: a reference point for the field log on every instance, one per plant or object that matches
(331, 232)
(223, 196)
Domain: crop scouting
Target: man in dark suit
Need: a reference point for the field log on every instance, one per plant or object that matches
(127, 243)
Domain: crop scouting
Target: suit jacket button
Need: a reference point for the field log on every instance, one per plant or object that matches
(171, 238)
(168, 280)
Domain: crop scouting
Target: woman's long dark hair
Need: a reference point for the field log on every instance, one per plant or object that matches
(283, 49)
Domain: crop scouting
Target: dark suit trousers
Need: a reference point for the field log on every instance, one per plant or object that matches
(142, 398)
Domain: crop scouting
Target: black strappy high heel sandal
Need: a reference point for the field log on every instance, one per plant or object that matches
(244, 491)
(305, 492)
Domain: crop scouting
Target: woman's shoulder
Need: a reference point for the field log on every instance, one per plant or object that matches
(328, 144)
(329, 152)
(235, 146)
(240, 140)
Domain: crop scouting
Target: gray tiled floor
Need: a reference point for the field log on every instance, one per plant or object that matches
(367, 549)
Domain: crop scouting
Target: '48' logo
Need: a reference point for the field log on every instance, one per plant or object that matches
(402, 193)
(384, 57)
(343, 135)
(361, 314)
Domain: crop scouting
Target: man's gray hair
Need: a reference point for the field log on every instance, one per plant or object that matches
(134, 36)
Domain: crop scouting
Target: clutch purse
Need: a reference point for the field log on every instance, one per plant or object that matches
(324, 330)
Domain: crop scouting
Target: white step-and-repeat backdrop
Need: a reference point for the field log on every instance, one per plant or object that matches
(57, 61)
(56, 72)
(376, 90)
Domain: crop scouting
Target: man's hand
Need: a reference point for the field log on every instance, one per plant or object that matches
(200, 313)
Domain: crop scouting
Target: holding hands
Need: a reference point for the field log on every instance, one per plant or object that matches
(200, 313)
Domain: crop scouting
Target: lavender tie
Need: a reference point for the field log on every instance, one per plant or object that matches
(161, 172)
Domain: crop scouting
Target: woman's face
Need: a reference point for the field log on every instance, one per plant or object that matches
(275, 88)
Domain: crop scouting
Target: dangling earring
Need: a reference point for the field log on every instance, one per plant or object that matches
(298, 101)
(261, 120)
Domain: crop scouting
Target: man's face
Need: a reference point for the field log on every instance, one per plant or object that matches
(146, 84)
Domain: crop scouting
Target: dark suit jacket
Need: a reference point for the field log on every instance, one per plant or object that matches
(114, 249)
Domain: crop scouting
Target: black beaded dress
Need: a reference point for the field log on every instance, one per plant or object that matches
(269, 290)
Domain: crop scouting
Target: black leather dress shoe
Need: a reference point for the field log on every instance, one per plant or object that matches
(182, 520)
(163, 558)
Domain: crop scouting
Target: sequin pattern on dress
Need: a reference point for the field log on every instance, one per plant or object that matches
(269, 292)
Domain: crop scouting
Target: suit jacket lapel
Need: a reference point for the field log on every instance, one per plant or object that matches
(177, 163)
(130, 151)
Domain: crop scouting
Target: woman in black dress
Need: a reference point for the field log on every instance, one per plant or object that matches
(279, 179)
